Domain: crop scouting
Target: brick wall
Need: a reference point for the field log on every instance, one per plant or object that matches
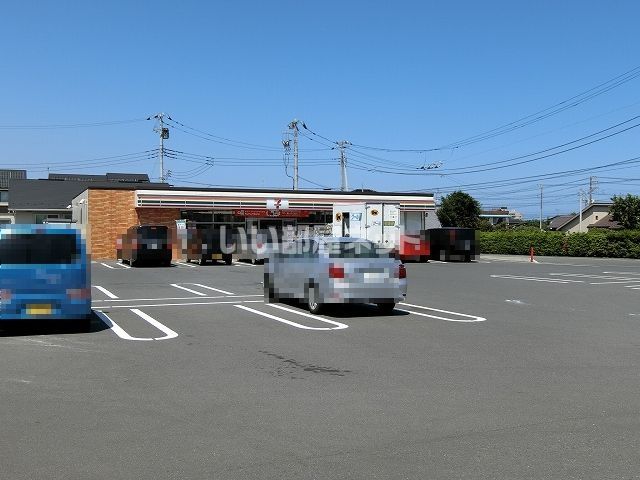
(111, 212)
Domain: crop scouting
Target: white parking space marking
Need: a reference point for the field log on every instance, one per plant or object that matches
(467, 318)
(180, 286)
(163, 328)
(117, 266)
(594, 277)
(537, 279)
(105, 291)
(242, 264)
(623, 273)
(233, 301)
(164, 299)
(119, 331)
(283, 320)
(182, 264)
(339, 326)
(609, 283)
(188, 290)
(211, 288)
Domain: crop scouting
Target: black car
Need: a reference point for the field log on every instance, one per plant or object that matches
(204, 244)
(148, 244)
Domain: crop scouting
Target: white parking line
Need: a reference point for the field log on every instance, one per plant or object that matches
(471, 318)
(615, 280)
(119, 331)
(339, 326)
(211, 288)
(242, 264)
(182, 304)
(163, 328)
(105, 291)
(188, 290)
(537, 279)
(119, 266)
(288, 322)
(164, 299)
(182, 264)
(602, 277)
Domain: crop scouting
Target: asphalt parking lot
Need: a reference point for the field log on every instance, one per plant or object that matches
(501, 368)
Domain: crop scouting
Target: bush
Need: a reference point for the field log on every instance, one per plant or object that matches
(596, 243)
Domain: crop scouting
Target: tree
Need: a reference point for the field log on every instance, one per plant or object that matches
(459, 209)
(626, 210)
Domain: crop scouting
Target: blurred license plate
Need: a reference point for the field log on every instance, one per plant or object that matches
(154, 246)
(216, 256)
(39, 309)
(374, 277)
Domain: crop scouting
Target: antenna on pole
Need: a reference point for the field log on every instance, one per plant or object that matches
(294, 126)
(164, 135)
(343, 165)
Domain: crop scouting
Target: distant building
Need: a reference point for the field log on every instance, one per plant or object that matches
(5, 177)
(45, 200)
(500, 215)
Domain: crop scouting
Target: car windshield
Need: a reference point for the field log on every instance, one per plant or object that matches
(38, 248)
(151, 233)
(354, 250)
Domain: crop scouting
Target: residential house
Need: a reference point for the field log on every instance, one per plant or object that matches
(594, 215)
(5, 177)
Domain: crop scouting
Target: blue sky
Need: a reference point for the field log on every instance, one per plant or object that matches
(413, 75)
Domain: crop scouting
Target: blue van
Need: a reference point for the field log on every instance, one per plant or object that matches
(44, 273)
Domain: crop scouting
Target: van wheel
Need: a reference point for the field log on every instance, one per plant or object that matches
(202, 262)
(227, 259)
(269, 292)
(386, 307)
(313, 299)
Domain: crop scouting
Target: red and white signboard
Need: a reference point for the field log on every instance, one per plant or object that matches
(271, 213)
(277, 204)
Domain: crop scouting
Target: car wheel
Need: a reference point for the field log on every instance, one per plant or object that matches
(202, 262)
(228, 259)
(269, 292)
(386, 307)
(313, 299)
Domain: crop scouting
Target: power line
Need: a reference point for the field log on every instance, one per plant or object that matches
(54, 126)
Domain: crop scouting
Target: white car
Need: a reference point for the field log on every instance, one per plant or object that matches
(330, 270)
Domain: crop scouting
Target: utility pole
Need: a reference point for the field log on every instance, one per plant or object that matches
(164, 135)
(343, 165)
(294, 126)
(593, 185)
(541, 188)
(580, 195)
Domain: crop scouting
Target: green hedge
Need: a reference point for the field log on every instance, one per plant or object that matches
(596, 243)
